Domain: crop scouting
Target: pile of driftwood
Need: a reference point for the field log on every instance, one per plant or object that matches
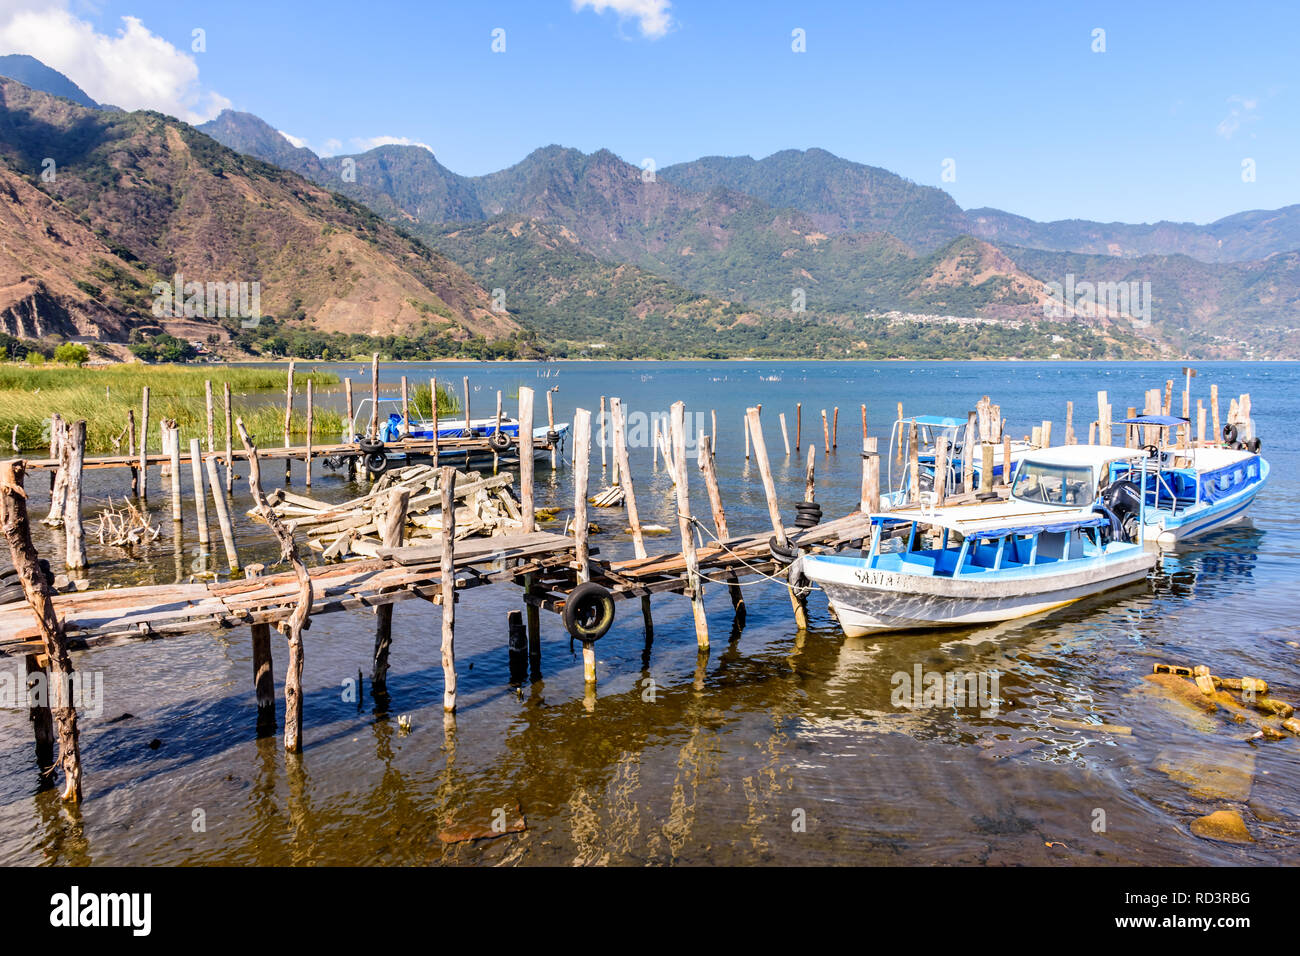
(126, 528)
(485, 507)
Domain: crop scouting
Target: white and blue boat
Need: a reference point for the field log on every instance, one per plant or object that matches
(501, 438)
(968, 565)
(1181, 492)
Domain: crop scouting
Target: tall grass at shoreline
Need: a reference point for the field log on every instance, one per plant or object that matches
(29, 396)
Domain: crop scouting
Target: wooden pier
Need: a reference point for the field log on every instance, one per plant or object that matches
(560, 573)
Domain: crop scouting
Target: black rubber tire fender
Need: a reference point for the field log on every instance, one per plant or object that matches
(1254, 445)
(1229, 434)
(369, 446)
(499, 441)
(589, 611)
(782, 555)
(376, 462)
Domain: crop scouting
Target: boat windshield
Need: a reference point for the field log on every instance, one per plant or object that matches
(1070, 485)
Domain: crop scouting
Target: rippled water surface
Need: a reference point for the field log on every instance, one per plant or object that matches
(776, 747)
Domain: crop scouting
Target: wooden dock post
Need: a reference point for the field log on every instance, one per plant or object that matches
(263, 670)
(1047, 433)
(968, 454)
(785, 436)
(629, 498)
(746, 443)
(1006, 460)
(986, 467)
(798, 429)
(130, 452)
(144, 443)
(797, 603)
(200, 495)
(581, 526)
(223, 516)
(346, 437)
(299, 620)
(708, 465)
(601, 435)
(374, 396)
(810, 475)
(74, 453)
(58, 478)
(447, 574)
(550, 423)
(1103, 419)
(174, 448)
(528, 510)
(870, 502)
(212, 422)
(1200, 421)
(38, 712)
(914, 461)
(469, 430)
(940, 471)
(826, 434)
(899, 453)
(17, 531)
(1069, 423)
(288, 421)
(517, 648)
(230, 438)
(391, 530)
(835, 430)
(433, 416)
(311, 424)
(694, 582)
(1214, 409)
(406, 412)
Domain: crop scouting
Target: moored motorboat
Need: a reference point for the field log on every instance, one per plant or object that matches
(974, 564)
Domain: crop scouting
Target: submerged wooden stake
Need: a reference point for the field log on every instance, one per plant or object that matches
(230, 438)
(629, 497)
(174, 447)
(447, 571)
(798, 604)
(223, 516)
(870, 503)
(694, 582)
(74, 453)
(311, 425)
(391, 528)
(200, 497)
(288, 420)
(708, 466)
(785, 436)
(144, 443)
(374, 396)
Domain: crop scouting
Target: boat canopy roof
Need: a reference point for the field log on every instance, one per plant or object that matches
(1162, 421)
(1081, 454)
(941, 421)
(995, 520)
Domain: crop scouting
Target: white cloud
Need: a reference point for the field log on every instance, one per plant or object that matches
(134, 69)
(1242, 112)
(296, 140)
(332, 147)
(364, 143)
(652, 16)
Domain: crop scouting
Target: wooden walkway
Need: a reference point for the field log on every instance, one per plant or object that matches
(414, 446)
(120, 615)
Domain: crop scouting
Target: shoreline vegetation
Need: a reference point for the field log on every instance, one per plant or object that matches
(105, 395)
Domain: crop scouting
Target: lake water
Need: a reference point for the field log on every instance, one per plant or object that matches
(778, 747)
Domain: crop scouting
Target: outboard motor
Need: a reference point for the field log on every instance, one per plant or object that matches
(1124, 499)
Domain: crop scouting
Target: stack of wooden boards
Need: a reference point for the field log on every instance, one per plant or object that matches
(485, 507)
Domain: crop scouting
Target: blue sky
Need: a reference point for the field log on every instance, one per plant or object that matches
(1037, 123)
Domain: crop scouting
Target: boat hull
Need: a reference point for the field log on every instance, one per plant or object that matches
(1168, 531)
(867, 601)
